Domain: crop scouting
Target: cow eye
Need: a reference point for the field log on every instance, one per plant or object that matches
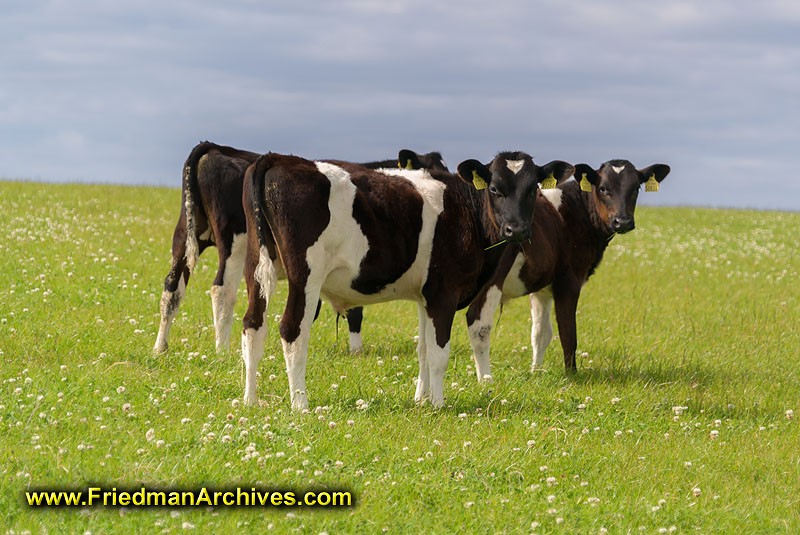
(603, 190)
(494, 191)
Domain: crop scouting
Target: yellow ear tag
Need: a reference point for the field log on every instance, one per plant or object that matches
(408, 164)
(477, 181)
(651, 184)
(399, 166)
(549, 182)
(585, 184)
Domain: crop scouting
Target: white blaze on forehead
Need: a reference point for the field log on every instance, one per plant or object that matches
(618, 170)
(515, 165)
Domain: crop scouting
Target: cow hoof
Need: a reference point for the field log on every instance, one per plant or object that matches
(487, 379)
(250, 399)
(159, 349)
(437, 403)
(299, 401)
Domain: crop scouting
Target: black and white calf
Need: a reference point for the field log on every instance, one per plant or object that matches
(356, 236)
(572, 226)
(212, 214)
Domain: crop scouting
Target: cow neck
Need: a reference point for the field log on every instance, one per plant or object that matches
(489, 233)
(579, 207)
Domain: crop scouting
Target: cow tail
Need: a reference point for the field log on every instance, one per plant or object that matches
(190, 197)
(265, 272)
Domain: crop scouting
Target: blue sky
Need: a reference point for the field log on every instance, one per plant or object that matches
(119, 92)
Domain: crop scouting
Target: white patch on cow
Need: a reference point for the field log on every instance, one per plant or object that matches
(295, 353)
(618, 170)
(223, 298)
(170, 303)
(554, 196)
(342, 245)
(437, 358)
(338, 251)
(355, 342)
(513, 286)
(423, 391)
(542, 326)
(442, 162)
(252, 352)
(480, 334)
(265, 273)
(515, 165)
(205, 235)
(432, 190)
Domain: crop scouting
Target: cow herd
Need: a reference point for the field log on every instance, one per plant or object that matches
(357, 234)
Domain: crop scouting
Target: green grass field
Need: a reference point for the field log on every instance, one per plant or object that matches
(678, 421)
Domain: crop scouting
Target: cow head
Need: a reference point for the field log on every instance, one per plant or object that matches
(615, 189)
(433, 161)
(512, 181)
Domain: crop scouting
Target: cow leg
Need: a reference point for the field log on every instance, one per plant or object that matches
(354, 318)
(439, 322)
(259, 292)
(566, 300)
(479, 327)
(542, 326)
(295, 334)
(226, 284)
(174, 287)
(423, 381)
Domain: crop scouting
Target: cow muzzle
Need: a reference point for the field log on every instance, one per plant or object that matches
(516, 232)
(622, 224)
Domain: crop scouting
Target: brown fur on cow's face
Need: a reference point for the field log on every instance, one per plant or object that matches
(512, 181)
(616, 190)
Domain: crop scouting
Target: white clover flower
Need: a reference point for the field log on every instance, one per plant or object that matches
(150, 434)
(120, 389)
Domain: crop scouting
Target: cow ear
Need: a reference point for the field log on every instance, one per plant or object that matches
(586, 176)
(408, 159)
(475, 173)
(659, 171)
(558, 170)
